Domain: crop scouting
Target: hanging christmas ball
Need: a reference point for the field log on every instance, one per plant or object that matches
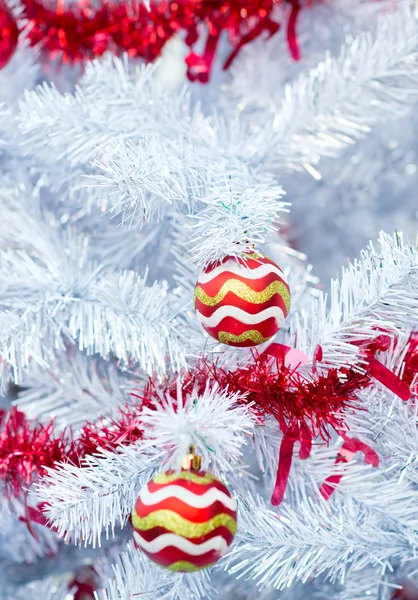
(9, 34)
(184, 521)
(242, 301)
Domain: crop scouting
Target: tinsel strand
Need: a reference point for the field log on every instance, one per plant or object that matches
(81, 32)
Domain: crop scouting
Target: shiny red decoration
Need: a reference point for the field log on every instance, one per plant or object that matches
(28, 448)
(408, 592)
(82, 32)
(242, 301)
(410, 374)
(184, 521)
(9, 34)
(316, 403)
(346, 453)
(304, 406)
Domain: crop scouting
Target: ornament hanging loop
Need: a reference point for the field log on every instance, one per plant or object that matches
(191, 461)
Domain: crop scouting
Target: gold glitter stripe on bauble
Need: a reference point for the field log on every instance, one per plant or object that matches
(240, 289)
(205, 479)
(252, 334)
(177, 524)
(184, 565)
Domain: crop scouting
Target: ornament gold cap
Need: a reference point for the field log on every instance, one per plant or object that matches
(191, 461)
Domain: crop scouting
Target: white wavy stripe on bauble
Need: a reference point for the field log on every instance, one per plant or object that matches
(241, 315)
(232, 266)
(166, 540)
(197, 501)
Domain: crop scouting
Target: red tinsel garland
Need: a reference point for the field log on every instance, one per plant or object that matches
(314, 403)
(303, 406)
(28, 448)
(82, 32)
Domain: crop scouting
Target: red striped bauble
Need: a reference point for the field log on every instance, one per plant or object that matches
(242, 301)
(184, 521)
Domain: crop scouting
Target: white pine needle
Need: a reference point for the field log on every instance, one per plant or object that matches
(85, 501)
(213, 421)
(378, 290)
(135, 576)
(336, 103)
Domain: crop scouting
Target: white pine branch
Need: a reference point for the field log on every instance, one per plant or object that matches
(379, 290)
(73, 389)
(106, 312)
(375, 77)
(142, 182)
(136, 576)
(213, 421)
(113, 99)
(240, 212)
(83, 501)
(317, 538)
(99, 495)
(391, 426)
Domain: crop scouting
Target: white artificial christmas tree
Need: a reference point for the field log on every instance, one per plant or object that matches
(120, 184)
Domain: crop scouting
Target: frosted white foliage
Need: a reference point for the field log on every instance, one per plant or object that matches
(374, 77)
(150, 152)
(213, 421)
(112, 100)
(393, 426)
(74, 388)
(136, 576)
(105, 312)
(99, 495)
(336, 539)
(142, 182)
(380, 288)
(236, 216)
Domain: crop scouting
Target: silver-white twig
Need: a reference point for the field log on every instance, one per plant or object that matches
(374, 77)
(213, 421)
(136, 576)
(85, 501)
(378, 291)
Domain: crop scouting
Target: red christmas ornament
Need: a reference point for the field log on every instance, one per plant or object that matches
(242, 301)
(9, 34)
(184, 521)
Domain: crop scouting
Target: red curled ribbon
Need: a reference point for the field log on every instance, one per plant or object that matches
(295, 433)
(346, 453)
(290, 437)
(381, 373)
